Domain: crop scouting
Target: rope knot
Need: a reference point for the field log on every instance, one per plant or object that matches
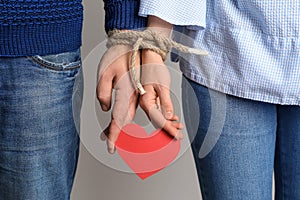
(146, 39)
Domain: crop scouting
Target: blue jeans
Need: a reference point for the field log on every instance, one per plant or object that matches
(39, 141)
(255, 139)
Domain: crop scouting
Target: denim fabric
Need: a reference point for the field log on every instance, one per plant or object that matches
(39, 141)
(254, 136)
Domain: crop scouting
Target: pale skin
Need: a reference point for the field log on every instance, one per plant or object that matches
(157, 104)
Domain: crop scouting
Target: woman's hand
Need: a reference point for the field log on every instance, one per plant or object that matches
(156, 102)
(156, 81)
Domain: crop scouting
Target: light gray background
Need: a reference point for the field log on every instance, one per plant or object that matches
(95, 181)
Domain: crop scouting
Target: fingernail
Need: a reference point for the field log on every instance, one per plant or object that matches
(169, 115)
(178, 136)
(104, 107)
(102, 136)
(181, 126)
(110, 147)
(111, 150)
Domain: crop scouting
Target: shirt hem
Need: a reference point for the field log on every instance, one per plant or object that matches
(235, 91)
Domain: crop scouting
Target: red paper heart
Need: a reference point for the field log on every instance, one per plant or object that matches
(146, 154)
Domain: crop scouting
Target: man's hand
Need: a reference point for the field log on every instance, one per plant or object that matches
(113, 74)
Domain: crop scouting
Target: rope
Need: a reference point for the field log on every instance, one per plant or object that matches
(146, 39)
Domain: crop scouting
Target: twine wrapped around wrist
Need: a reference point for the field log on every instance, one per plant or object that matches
(146, 39)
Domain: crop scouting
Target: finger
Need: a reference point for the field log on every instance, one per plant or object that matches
(125, 100)
(109, 139)
(114, 132)
(178, 125)
(159, 121)
(172, 130)
(158, 104)
(174, 118)
(165, 102)
(104, 91)
(121, 117)
(123, 111)
(111, 68)
(149, 100)
(104, 134)
(148, 103)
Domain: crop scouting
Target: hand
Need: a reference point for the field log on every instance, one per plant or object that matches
(113, 73)
(156, 102)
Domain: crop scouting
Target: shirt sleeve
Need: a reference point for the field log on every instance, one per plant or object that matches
(177, 12)
(123, 14)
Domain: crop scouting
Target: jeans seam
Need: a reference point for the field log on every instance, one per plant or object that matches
(282, 185)
(280, 163)
(47, 65)
(203, 185)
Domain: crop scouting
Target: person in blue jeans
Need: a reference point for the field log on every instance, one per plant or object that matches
(247, 89)
(40, 96)
(39, 63)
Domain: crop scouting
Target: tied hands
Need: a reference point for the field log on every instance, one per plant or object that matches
(156, 102)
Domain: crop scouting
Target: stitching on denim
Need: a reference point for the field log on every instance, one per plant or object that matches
(52, 66)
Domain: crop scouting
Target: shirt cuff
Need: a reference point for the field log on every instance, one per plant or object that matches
(176, 12)
(123, 14)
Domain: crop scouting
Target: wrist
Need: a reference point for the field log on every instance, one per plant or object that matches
(148, 55)
(159, 25)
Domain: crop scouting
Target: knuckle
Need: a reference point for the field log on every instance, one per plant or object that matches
(167, 104)
(163, 89)
(142, 103)
(103, 68)
(103, 98)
